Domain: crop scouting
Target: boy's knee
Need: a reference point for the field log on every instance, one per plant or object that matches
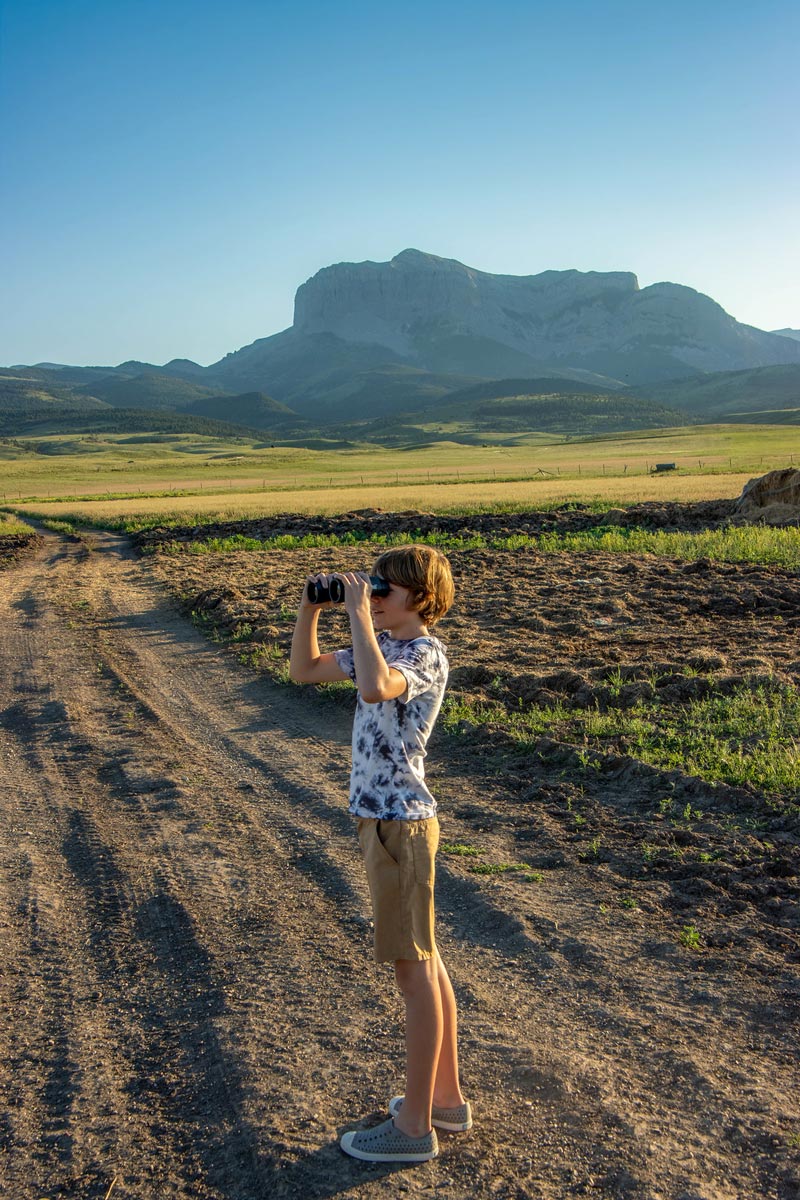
(414, 975)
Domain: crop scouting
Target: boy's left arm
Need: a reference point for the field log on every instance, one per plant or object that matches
(375, 678)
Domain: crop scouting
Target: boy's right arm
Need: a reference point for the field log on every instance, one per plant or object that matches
(306, 664)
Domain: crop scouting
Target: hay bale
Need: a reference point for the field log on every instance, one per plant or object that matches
(773, 498)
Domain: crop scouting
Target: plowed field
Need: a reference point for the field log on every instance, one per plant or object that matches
(188, 999)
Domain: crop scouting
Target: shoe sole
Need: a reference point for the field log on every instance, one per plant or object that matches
(380, 1158)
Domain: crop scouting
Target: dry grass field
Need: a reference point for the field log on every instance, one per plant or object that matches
(539, 493)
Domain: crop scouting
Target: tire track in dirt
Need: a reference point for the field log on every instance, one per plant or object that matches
(203, 1003)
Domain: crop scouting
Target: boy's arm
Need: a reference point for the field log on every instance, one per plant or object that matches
(306, 664)
(376, 680)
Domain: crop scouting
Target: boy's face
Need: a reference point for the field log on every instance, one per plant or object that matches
(392, 610)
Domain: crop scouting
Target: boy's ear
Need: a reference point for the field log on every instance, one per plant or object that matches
(415, 601)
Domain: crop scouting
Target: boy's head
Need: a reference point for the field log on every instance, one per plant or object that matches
(425, 572)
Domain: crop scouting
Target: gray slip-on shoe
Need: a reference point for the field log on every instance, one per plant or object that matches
(387, 1143)
(454, 1120)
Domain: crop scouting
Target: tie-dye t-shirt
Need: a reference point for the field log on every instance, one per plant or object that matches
(389, 738)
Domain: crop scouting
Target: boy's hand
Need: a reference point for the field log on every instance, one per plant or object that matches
(324, 581)
(357, 592)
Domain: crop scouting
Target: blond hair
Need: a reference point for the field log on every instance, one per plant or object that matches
(425, 572)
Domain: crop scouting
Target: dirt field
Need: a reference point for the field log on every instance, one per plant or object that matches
(189, 1004)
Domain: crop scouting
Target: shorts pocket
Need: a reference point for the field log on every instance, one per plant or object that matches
(373, 846)
(424, 844)
(382, 839)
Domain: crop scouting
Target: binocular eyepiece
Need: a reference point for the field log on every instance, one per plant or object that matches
(318, 593)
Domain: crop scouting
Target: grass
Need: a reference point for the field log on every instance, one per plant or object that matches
(462, 850)
(113, 476)
(750, 544)
(220, 504)
(750, 737)
(13, 527)
(57, 526)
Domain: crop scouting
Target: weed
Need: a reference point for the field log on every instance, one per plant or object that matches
(259, 656)
(337, 691)
(615, 682)
(501, 869)
(690, 937)
(58, 526)
(592, 851)
(461, 849)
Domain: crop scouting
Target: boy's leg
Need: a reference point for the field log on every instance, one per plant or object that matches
(419, 983)
(446, 1088)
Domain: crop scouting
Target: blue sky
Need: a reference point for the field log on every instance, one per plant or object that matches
(174, 169)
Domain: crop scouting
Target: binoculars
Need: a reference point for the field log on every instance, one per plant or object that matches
(318, 593)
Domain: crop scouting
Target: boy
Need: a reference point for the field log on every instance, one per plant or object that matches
(400, 671)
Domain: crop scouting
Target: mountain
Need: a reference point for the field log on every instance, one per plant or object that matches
(179, 368)
(441, 317)
(253, 409)
(733, 395)
(24, 398)
(149, 390)
(377, 339)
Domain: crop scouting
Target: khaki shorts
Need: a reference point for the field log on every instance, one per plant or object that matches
(400, 857)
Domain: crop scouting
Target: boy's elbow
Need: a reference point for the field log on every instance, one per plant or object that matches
(378, 694)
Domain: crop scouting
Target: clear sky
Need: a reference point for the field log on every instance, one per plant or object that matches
(172, 170)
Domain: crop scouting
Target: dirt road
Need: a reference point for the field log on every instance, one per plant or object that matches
(189, 1007)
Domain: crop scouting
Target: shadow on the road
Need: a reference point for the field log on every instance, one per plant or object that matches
(323, 1173)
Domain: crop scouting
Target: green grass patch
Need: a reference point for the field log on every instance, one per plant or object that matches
(13, 527)
(521, 869)
(746, 543)
(750, 737)
(460, 849)
(55, 526)
(750, 544)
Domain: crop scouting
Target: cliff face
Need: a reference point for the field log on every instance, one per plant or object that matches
(423, 313)
(417, 296)
(417, 302)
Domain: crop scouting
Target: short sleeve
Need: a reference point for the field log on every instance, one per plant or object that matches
(424, 667)
(345, 661)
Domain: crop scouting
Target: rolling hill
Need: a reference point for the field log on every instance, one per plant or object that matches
(726, 395)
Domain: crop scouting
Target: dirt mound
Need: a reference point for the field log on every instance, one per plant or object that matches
(773, 499)
(15, 546)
